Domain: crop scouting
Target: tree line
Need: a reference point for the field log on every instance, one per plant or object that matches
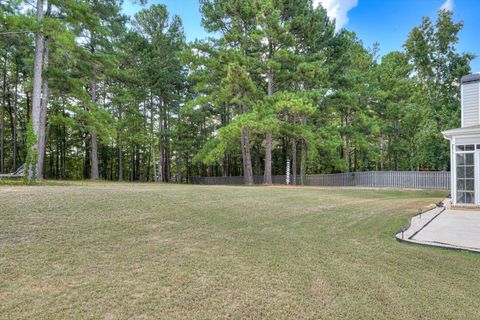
(90, 93)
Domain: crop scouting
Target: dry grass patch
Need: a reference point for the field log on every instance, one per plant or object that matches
(146, 251)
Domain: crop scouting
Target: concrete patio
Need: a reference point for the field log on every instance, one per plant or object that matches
(440, 227)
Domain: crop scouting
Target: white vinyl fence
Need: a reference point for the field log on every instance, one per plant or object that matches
(387, 179)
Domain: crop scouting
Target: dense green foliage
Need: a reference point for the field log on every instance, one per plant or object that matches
(129, 99)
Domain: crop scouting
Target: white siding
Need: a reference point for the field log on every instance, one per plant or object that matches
(470, 104)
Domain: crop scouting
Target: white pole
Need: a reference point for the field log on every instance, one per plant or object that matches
(288, 172)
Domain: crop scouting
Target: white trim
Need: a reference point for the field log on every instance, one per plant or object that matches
(476, 175)
(476, 171)
(461, 103)
(453, 174)
(470, 131)
(467, 136)
(460, 205)
(460, 140)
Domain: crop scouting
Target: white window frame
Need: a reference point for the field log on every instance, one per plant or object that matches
(453, 170)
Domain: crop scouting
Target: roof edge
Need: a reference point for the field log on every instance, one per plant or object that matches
(474, 77)
(448, 134)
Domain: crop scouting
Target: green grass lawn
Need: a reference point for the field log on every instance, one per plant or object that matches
(145, 251)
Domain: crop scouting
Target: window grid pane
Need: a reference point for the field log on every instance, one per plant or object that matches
(465, 171)
(469, 159)
(469, 147)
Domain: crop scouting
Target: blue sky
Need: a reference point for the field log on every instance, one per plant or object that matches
(387, 22)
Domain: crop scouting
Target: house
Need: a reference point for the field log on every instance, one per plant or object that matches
(465, 146)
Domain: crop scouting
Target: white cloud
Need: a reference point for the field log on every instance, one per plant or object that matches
(447, 5)
(338, 9)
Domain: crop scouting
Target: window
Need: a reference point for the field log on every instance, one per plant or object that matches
(468, 147)
(465, 178)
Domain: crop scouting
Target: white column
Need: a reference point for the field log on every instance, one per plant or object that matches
(453, 171)
(476, 171)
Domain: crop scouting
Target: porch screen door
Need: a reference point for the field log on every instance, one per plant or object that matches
(465, 177)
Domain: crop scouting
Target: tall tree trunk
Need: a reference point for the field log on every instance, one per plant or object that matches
(154, 164)
(247, 160)
(57, 159)
(347, 153)
(14, 121)
(225, 119)
(120, 163)
(303, 161)
(152, 140)
(148, 156)
(355, 161)
(347, 146)
(86, 161)
(188, 169)
(267, 176)
(37, 88)
(112, 166)
(257, 167)
(12, 125)
(4, 97)
(382, 156)
(94, 174)
(160, 162)
(119, 142)
(303, 153)
(294, 161)
(64, 144)
(179, 168)
(43, 113)
(160, 144)
(226, 164)
(167, 151)
(138, 164)
(132, 164)
(144, 171)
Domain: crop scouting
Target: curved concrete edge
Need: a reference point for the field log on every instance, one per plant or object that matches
(420, 221)
(440, 245)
